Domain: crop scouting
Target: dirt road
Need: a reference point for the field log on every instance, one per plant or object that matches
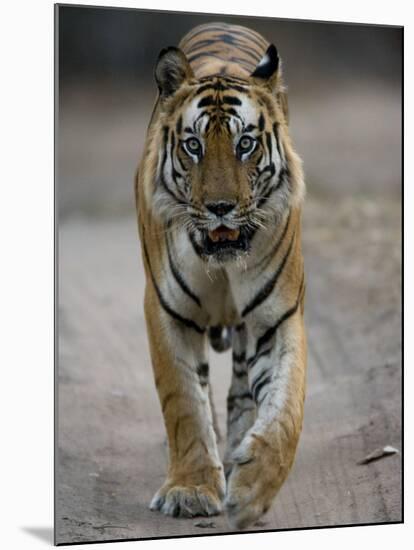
(111, 456)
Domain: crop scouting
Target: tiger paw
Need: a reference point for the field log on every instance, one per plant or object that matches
(254, 479)
(187, 500)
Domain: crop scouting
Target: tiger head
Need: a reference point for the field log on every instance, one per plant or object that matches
(226, 169)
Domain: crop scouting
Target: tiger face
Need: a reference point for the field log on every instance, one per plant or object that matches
(223, 172)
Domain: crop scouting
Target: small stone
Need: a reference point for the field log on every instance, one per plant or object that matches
(204, 524)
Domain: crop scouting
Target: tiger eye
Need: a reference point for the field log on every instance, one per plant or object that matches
(193, 146)
(246, 145)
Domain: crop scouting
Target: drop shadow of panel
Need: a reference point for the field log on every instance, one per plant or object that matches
(43, 533)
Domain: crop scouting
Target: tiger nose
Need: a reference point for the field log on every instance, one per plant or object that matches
(220, 208)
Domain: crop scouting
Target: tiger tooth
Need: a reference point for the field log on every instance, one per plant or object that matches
(233, 234)
(214, 236)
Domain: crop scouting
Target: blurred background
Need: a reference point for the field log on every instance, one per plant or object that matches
(344, 84)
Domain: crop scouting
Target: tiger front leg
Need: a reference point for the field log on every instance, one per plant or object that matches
(241, 409)
(261, 463)
(195, 482)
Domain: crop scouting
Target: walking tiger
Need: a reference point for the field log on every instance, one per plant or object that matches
(219, 192)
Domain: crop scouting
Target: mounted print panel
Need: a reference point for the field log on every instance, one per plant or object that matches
(228, 274)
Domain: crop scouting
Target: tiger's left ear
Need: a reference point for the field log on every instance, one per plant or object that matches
(268, 73)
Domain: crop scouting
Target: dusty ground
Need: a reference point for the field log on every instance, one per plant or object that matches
(111, 456)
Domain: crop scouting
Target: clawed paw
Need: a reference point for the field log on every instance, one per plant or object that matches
(187, 501)
(252, 483)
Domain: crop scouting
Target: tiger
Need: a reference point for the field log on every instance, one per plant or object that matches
(219, 192)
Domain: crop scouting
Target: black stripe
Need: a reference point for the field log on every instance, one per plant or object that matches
(203, 43)
(233, 112)
(179, 125)
(240, 373)
(164, 304)
(231, 39)
(166, 399)
(271, 168)
(269, 187)
(284, 177)
(264, 262)
(239, 358)
(164, 147)
(175, 173)
(178, 277)
(253, 37)
(259, 383)
(210, 87)
(164, 160)
(172, 143)
(227, 125)
(202, 369)
(238, 88)
(218, 85)
(206, 101)
(180, 161)
(211, 120)
(250, 127)
(229, 79)
(267, 192)
(192, 34)
(203, 372)
(276, 134)
(231, 100)
(245, 63)
(261, 122)
(248, 36)
(197, 248)
(253, 360)
(166, 188)
(235, 417)
(265, 291)
(269, 144)
(201, 115)
(232, 398)
(271, 331)
(196, 56)
(284, 172)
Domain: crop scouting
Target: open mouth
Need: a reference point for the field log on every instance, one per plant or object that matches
(225, 242)
(223, 234)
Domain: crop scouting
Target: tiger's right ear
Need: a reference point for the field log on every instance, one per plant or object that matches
(171, 71)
